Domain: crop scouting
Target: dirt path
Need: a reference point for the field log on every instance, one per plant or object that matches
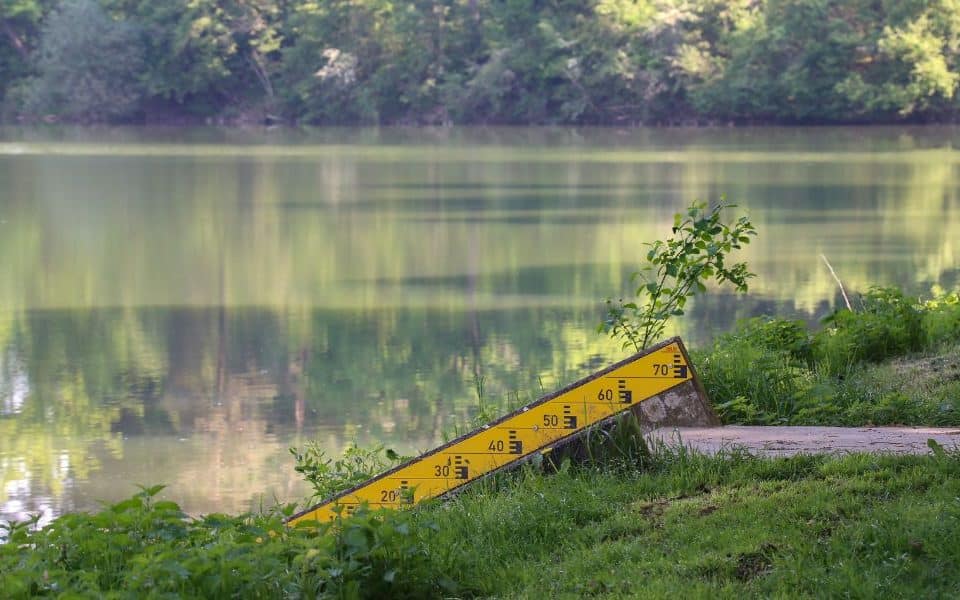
(787, 441)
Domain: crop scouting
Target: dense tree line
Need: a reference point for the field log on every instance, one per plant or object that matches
(481, 61)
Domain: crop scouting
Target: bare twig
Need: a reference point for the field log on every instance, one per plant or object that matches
(837, 279)
(15, 40)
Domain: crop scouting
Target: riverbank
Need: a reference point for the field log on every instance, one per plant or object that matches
(633, 521)
(677, 525)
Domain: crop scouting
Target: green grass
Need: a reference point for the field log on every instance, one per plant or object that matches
(891, 362)
(675, 525)
(734, 526)
(755, 386)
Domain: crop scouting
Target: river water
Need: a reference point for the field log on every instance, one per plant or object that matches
(181, 306)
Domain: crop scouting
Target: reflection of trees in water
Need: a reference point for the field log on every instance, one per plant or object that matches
(358, 231)
(83, 374)
(105, 384)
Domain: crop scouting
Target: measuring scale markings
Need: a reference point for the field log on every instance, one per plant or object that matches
(518, 435)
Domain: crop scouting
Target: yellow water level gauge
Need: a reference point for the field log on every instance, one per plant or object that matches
(509, 440)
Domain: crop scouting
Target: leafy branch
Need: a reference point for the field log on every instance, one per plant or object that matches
(679, 268)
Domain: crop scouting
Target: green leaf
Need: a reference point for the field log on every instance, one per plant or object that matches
(937, 449)
(128, 504)
(167, 505)
(152, 490)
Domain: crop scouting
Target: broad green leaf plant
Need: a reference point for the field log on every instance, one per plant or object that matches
(677, 269)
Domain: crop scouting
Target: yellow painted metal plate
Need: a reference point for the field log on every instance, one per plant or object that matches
(516, 436)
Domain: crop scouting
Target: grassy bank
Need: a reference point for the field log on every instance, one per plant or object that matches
(634, 522)
(677, 525)
(890, 361)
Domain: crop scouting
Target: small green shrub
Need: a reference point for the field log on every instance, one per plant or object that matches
(355, 465)
(888, 325)
(891, 408)
(941, 319)
(775, 334)
(142, 547)
(751, 384)
(677, 269)
(771, 371)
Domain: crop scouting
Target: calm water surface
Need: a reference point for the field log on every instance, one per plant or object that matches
(181, 306)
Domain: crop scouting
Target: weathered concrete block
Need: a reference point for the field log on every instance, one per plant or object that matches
(683, 406)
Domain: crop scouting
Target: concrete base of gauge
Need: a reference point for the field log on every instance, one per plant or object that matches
(683, 406)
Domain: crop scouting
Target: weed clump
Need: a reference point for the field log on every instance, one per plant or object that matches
(329, 476)
(941, 319)
(775, 371)
(143, 547)
(888, 325)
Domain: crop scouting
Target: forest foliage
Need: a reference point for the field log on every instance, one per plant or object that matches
(608, 62)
